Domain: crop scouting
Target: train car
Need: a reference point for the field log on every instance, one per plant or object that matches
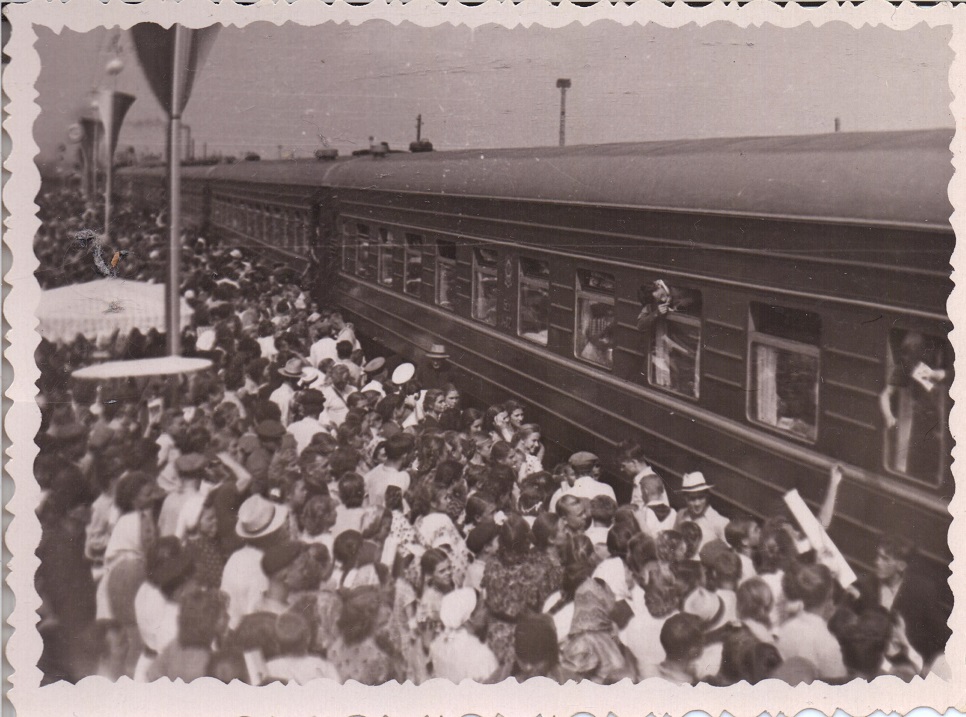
(758, 309)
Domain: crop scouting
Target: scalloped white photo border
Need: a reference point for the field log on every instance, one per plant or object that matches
(100, 698)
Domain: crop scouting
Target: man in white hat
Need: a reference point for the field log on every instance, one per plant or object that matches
(282, 396)
(696, 492)
(261, 524)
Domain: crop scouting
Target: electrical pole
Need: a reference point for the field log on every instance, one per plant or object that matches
(563, 84)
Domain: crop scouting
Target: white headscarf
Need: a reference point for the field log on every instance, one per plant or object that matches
(456, 608)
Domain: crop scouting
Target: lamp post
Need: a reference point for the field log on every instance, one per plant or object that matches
(563, 85)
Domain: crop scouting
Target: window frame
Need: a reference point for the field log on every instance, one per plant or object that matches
(690, 320)
(408, 251)
(529, 281)
(783, 344)
(361, 267)
(483, 270)
(939, 480)
(385, 251)
(441, 262)
(347, 236)
(579, 293)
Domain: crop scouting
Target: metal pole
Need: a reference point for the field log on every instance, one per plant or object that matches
(563, 84)
(108, 188)
(174, 199)
(563, 115)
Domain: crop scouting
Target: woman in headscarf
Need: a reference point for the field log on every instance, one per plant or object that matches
(456, 653)
(514, 586)
(592, 650)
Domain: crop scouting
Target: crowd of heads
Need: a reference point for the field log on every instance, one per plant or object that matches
(304, 510)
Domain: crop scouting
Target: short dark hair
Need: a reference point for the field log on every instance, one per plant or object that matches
(399, 445)
(812, 584)
(343, 349)
(352, 490)
(680, 634)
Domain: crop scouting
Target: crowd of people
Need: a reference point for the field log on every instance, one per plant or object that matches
(302, 510)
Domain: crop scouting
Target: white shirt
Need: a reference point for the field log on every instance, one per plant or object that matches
(380, 478)
(283, 397)
(807, 635)
(244, 582)
(642, 636)
(321, 350)
(583, 487)
(157, 618)
(267, 344)
(304, 430)
(460, 656)
(335, 404)
(300, 669)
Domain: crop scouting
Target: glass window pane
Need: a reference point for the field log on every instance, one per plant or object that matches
(594, 318)
(916, 405)
(413, 266)
(445, 274)
(363, 251)
(385, 256)
(533, 320)
(784, 388)
(484, 286)
(347, 245)
(670, 320)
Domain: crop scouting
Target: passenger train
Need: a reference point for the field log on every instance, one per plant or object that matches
(759, 309)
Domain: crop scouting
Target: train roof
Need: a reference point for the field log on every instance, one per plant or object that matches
(897, 178)
(881, 177)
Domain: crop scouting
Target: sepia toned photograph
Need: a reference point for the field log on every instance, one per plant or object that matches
(386, 351)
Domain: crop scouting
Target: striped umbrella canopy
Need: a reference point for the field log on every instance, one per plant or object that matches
(99, 308)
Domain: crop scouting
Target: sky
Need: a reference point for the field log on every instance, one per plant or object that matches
(335, 85)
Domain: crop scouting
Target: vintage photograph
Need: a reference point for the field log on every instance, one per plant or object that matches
(382, 352)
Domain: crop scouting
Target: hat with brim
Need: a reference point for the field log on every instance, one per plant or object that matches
(438, 351)
(375, 365)
(258, 517)
(706, 606)
(309, 375)
(694, 483)
(403, 373)
(292, 369)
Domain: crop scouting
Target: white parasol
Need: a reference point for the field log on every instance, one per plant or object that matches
(98, 308)
(138, 368)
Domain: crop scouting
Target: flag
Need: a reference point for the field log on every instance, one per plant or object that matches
(156, 47)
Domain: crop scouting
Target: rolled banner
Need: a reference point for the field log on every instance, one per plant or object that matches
(827, 551)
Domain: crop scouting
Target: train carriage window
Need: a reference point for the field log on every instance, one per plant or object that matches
(386, 244)
(484, 285)
(594, 318)
(670, 320)
(445, 274)
(915, 406)
(783, 369)
(348, 245)
(363, 251)
(533, 320)
(413, 265)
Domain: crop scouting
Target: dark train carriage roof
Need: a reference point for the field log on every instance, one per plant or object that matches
(890, 177)
(871, 177)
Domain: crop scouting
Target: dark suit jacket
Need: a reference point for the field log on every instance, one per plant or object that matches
(919, 605)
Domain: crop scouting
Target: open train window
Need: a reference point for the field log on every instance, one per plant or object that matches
(594, 318)
(363, 251)
(533, 319)
(484, 285)
(670, 320)
(915, 406)
(348, 245)
(783, 369)
(445, 274)
(413, 265)
(386, 244)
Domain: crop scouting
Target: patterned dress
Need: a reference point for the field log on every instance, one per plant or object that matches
(513, 588)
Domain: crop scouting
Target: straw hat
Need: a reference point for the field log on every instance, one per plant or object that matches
(258, 517)
(694, 483)
(375, 365)
(293, 368)
(438, 351)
